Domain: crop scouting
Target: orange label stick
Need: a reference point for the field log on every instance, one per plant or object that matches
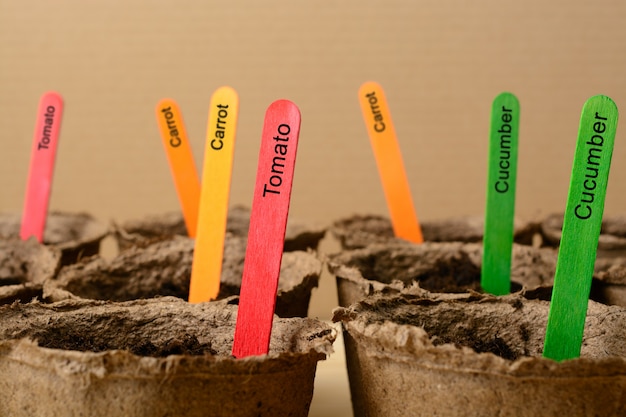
(219, 149)
(389, 161)
(180, 158)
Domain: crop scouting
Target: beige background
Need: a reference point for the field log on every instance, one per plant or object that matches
(440, 61)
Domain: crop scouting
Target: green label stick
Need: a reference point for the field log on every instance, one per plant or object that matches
(500, 210)
(581, 229)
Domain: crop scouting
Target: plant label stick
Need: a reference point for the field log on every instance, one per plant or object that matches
(581, 229)
(206, 268)
(180, 158)
(266, 236)
(389, 161)
(500, 210)
(43, 153)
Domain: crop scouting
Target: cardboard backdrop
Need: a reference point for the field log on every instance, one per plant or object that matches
(440, 62)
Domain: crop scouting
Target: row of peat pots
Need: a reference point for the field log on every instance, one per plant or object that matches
(422, 339)
(85, 335)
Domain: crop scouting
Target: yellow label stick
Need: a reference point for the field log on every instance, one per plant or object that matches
(216, 174)
(180, 158)
(389, 161)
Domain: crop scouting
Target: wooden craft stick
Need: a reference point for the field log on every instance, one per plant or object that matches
(219, 149)
(581, 229)
(180, 158)
(389, 161)
(500, 207)
(41, 170)
(266, 236)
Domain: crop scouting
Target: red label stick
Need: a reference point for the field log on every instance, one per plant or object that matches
(266, 236)
(42, 158)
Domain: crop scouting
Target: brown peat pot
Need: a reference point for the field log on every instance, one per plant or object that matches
(299, 235)
(422, 354)
(163, 268)
(76, 235)
(156, 357)
(359, 231)
(24, 267)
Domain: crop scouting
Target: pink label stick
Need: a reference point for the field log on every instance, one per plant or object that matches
(43, 154)
(266, 236)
